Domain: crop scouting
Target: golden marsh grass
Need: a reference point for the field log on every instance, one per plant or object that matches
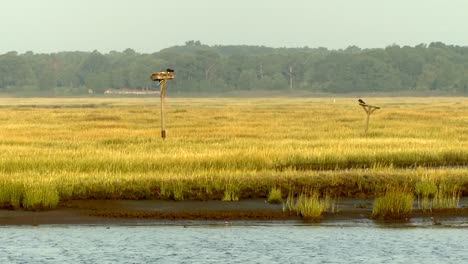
(226, 149)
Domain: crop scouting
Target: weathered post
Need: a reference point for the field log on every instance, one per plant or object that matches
(163, 96)
(161, 77)
(369, 109)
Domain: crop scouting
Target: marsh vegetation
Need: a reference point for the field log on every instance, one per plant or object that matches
(54, 150)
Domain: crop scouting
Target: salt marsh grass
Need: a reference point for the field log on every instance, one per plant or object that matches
(39, 194)
(447, 196)
(425, 189)
(309, 204)
(437, 193)
(226, 149)
(11, 192)
(275, 195)
(395, 204)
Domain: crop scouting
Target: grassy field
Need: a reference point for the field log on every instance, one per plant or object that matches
(228, 149)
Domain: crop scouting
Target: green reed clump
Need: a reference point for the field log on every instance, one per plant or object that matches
(178, 189)
(174, 190)
(289, 205)
(11, 193)
(308, 204)
(231, 193)
(425, 189)
(447, 196)
(164, 191)
(40, 195)
(395, 204)
(437, 194)
(275, 196)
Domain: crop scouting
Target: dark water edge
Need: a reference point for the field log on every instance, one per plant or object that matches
(347, 212)
(232, 243)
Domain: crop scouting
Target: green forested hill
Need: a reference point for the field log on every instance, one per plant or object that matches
(217, 69)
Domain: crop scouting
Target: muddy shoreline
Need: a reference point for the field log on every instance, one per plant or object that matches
(115, 212)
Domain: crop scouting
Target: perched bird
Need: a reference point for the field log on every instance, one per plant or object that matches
(169, 70)
(361, 101)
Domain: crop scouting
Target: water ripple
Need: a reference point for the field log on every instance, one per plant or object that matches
(231, 244)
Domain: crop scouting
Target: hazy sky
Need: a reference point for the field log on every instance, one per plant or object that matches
(151, 25)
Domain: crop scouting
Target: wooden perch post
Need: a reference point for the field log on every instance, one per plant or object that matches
(161, 77)
(369, 110)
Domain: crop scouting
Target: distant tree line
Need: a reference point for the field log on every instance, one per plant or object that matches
(216, 69)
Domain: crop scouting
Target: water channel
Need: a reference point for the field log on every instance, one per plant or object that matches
(231, 243)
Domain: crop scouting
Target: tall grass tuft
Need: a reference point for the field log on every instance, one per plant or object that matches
(435, 194)
(425, 190)
(308, 204)
(275, 196)
(447, 196)
(395, 204)
(40, 195)
(289, 205)
(11, 193)
(178, 191)
(231, 193)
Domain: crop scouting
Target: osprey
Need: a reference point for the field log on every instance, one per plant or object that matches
(361, 101)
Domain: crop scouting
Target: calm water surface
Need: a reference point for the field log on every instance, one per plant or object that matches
(232, 244)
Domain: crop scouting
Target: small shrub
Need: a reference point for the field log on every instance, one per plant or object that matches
(393, 205)
(274, 196)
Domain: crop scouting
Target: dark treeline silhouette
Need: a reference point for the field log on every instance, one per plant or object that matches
(218, 69)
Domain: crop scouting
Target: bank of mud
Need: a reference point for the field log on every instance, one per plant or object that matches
(170, 212)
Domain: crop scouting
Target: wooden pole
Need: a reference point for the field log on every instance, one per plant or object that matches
(369, 110)
(163, 123)
(162, 77)
(367, 121)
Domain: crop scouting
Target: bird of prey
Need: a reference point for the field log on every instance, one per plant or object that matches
(361, 101)
(169, 70)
